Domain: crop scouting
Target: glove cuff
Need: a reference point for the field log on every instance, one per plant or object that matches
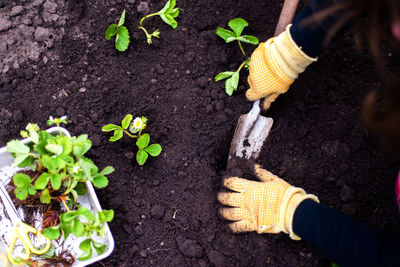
(291, 200)
(288, 56)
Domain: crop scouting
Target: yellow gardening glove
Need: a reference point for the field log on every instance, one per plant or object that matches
(266, 207)
(274, 66)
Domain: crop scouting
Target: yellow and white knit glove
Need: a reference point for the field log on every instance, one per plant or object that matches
(274, 66)
(266, 207)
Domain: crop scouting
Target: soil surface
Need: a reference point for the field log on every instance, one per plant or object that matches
(54, 60)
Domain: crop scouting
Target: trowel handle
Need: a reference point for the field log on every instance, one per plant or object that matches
(287, 15)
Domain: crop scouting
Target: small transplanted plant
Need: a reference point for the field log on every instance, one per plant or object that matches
(59, 170)
(168, 14)
(121, 34)
(134, 129)
(232, 77)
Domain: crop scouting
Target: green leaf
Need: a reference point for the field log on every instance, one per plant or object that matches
(100, 181)
(110, 127)
(223, 75)
(143, 141)
(16, 146)
(80, 188)
(74, 195)
(77, 227)
(111, 31)
(224, 33)
(21, 180)
(21, 193)
(237, 25)
(53, 148)
(122, 39)
(232, 83)
(27, 162)
(168, 7)
(154, 150)
(65, 231)
(107, 170)
(68, 217)
(49, 163)
(117, 135)
(83, 137)
(122, 19)
(85, 245)
(174, 12)
(85, 212)
(65, 143)
(141, 157)
(108, 215)
(99, 247)
(79, 149)
(248, 39)
(56, 180)
(87, 248)
(85, 255)
(31, 190)
(20, 158)
(45, 197)
(42, 181)
(167, 18)
(52, 232)
(126, 121)
(34, 136)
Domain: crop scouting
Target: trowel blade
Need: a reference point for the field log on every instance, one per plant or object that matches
(249, 136)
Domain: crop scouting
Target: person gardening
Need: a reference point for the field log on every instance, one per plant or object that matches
(271, 205)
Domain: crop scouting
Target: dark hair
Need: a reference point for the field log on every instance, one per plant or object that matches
(383, 117)
(380, 111)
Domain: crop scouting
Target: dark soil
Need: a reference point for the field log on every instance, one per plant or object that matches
(166, 211)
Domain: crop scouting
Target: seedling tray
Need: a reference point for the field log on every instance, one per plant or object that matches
(90, 200)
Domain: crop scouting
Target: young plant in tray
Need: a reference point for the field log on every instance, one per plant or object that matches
(59, 169)
(232, 77)
(168, 14)
(121, 34)
(134, 129)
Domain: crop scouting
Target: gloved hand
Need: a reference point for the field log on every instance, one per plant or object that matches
(274, 66)
(266, 207)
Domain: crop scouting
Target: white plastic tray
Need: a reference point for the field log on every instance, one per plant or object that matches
(90, 200)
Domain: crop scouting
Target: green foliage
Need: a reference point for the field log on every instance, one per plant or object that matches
(60, 170)
(82, 223)
(168, 14)
(237, 25)
(120, 32)
(134, 130)
(232, 77)
(59, 162)
(144, 149)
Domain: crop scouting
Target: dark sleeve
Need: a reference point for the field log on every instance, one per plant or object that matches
(311, 28)
(345, 241)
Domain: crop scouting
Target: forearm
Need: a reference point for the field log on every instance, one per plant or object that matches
(345, 241)
(312, 27)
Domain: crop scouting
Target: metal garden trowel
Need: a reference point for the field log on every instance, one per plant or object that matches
(252, 128)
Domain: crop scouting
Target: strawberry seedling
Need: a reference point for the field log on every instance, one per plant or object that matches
(121, 34)
(232, 77)
(59, 171)
(168, 14)
(134, 129)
